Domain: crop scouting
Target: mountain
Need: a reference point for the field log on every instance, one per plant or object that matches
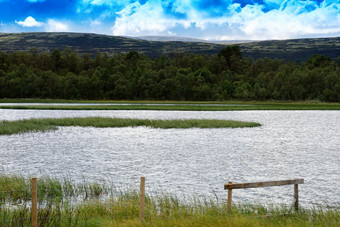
(93, 43)
(155, 46)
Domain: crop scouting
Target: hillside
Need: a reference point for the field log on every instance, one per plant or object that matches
(294, 50)
(93, 43)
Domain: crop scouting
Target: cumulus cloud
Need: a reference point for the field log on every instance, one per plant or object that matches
(51, 25)
(56, 26)
(147, 19)
(29, 22)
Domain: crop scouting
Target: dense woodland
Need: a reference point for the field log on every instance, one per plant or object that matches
(133, 76)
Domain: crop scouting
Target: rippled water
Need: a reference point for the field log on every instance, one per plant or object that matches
(188, 162)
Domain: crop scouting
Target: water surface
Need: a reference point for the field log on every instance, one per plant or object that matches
(188, 162)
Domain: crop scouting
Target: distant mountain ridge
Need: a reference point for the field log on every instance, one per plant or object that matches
(169, 39)
(186, 39)
(293, 50)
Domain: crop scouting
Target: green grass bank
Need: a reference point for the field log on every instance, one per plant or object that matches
(100, 205)
(33, 125)
(167, 105)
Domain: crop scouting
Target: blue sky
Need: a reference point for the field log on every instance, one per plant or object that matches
(206, 19)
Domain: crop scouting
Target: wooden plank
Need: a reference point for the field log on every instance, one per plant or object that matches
(34, 210)
(263, 184)
(142, 199)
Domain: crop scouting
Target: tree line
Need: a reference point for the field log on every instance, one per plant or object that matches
(133, 76)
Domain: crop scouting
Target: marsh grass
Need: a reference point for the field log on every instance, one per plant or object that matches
(174, 105)
(34, 125)
(121, 208)
(16, 189)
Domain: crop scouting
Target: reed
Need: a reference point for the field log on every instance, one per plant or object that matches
(17, 189)
(34, 125)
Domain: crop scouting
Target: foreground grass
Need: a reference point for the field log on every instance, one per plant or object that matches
(30, 125)
(122, 208)
(169, 105)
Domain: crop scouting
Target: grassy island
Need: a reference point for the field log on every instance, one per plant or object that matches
(32, 125)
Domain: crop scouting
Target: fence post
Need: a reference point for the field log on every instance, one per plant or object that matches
(229, 197)
(142, 199)
(296, 196)
(34, 209)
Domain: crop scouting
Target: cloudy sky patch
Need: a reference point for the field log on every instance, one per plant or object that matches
(208, 19)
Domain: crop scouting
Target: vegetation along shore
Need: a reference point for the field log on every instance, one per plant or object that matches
(58, 104)
(225, 75)
(65, 203)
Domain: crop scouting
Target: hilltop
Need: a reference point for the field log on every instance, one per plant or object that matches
(292, 50)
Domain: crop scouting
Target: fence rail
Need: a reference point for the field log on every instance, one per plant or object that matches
(230, 186)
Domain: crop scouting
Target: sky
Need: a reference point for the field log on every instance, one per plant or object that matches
(204, 19)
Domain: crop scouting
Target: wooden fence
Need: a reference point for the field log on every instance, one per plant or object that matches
(230, 186)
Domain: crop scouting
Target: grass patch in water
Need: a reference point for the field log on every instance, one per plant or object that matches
(32, 125)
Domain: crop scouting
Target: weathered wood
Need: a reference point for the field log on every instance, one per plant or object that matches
(263, 184)
(296, 196)
(142, 199)
(34, 210)
(229, 197)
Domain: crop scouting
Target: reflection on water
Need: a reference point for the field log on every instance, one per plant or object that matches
(188, 162)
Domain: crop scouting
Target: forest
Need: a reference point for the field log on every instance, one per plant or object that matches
(226, 75)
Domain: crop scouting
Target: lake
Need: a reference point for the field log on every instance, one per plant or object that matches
(188, 162)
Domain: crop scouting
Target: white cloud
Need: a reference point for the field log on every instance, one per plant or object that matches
(50, 26)
(56, 26)
(147, 19)
(29, 22)
(150, 19)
